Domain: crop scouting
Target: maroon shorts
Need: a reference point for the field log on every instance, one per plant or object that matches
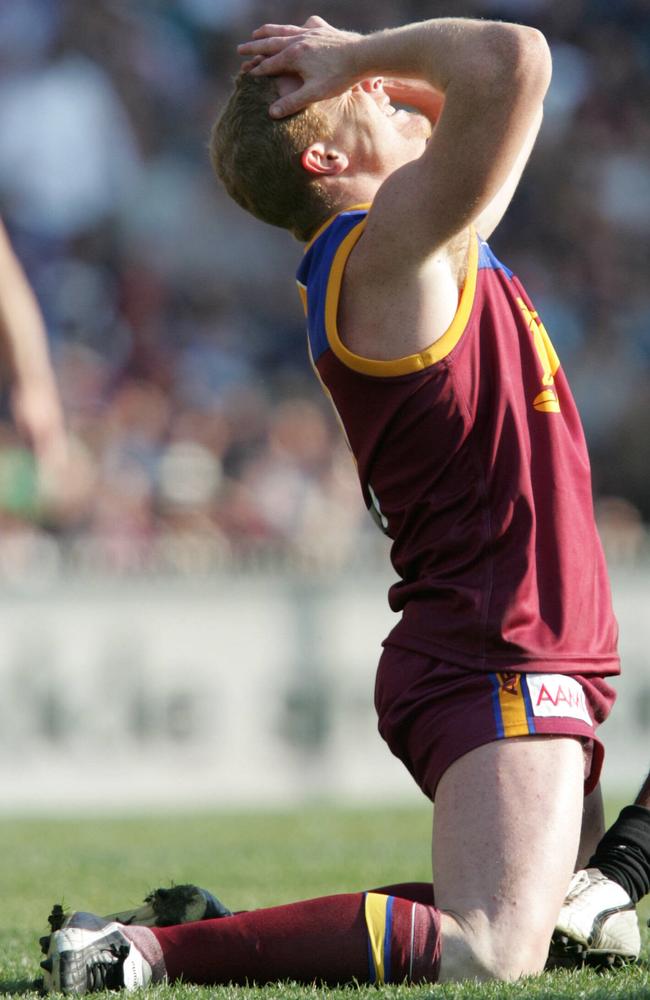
(432, 712)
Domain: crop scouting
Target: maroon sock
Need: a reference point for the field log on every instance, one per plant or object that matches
(417, 892)
(368, 937)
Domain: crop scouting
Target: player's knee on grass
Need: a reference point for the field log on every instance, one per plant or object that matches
(510, 959)
(505, 877)
(472, 949)
(507, 961)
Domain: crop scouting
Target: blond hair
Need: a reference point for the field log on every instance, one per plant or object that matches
(258, 158)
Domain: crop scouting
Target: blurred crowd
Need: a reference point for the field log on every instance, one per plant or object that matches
(198, 436)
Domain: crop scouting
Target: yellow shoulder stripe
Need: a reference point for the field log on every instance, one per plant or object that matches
(302, 292)
(365, 206)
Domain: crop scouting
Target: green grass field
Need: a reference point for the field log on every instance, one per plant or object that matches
(249, 861)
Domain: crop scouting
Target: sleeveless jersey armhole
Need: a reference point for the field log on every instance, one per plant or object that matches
(412, 362)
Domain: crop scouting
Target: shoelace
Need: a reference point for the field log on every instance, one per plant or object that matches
(584, 883)
(106, 973)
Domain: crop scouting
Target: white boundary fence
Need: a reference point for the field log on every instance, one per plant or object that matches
(245, 691)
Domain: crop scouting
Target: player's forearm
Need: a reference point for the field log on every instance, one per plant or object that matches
(22, 332)
(418, 94)
(475, 64)
(34, 396)
(479, 57)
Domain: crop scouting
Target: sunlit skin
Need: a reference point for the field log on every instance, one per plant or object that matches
(374, 133)
(371, 137)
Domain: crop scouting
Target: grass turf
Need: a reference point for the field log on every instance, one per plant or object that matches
(248, 860)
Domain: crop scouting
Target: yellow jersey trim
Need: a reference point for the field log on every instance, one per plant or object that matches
(363, 206)
(302, 292)
(412, 362)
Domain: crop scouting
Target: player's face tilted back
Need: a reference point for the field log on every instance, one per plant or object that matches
(370, 136)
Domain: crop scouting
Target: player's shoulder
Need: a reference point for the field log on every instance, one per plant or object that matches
(377, 261)
(321, 250)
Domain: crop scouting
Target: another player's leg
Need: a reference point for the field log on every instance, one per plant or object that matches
(623, 854)
(593, 825)
(598, 922)
(506, 831)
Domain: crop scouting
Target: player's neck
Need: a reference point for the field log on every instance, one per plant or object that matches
(355, 190)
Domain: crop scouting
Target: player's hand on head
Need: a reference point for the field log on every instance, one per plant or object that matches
(317, 54)
(250, 64)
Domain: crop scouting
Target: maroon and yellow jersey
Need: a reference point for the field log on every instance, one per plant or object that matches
(472, 458)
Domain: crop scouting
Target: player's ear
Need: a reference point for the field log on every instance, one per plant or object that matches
(324, 160)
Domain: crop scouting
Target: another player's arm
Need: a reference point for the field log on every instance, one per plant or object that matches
(493, 77)
(23, 344)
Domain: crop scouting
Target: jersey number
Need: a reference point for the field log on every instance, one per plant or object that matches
(545, 401)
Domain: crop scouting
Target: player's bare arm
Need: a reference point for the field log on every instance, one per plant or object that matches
(401, 285)
(35, 403)
(493, 77)
(421, 96)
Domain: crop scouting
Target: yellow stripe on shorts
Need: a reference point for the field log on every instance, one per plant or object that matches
(514, 716)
